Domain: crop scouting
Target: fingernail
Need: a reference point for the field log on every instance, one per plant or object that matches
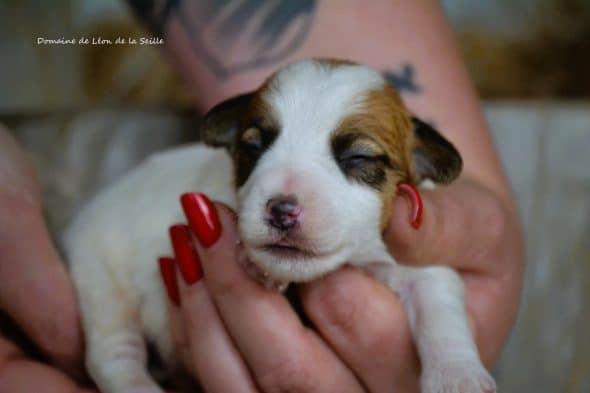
(169, 278)
(410, 192)
(202, 217)
(185, 254)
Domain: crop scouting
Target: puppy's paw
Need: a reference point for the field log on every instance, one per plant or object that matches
(457, 377)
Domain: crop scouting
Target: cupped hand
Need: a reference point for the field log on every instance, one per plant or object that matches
(465, 226)
(235, 335)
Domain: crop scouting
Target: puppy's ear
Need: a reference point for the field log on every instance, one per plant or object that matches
(435, 158)
(220, 124)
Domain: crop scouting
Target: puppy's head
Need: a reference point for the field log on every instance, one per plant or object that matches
(318, 151)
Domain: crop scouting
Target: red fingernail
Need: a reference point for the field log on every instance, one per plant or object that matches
(412, 193)
(185, 253)
(169, 277)
(202, 217)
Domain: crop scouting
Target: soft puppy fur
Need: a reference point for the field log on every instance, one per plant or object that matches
(311, 161)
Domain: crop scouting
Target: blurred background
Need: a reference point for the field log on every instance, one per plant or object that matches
(88, 113)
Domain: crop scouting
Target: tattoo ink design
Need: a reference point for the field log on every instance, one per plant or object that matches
(153, 13)
(233, 36)
(404, 80)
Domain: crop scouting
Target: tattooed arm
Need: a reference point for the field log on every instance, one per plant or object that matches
(223, 48)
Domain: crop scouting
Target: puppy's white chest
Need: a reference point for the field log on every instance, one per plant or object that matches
(114, 243)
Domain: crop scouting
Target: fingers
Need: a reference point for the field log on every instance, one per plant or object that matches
(280, 352)
(20, 375)
(207, 349)
(462, 224)
(36, 291)
(211, 348)
(367, 327)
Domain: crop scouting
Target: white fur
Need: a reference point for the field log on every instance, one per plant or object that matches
(113, 246)
(114, 243)
(309, 100)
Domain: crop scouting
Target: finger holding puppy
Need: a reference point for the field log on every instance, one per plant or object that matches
(18, 374)
(468, 227)
(372, 337)
(463, 225)
(279, 351)
(198, 332)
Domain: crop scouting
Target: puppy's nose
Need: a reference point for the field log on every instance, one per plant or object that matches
(283, 212)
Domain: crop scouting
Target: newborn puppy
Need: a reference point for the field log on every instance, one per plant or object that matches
(315, 156)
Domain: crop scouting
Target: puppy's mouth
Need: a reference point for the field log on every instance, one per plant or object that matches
(289, 250)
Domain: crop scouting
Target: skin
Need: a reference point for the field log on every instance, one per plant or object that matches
(30, 268)
(236, 336)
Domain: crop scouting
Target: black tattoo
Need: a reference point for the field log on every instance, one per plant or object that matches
(153, 13)
(233, 36)
(404, 80)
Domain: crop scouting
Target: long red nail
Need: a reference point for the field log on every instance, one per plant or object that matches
(202, 217)
(168, 273)
(185, 253)
(412, 193)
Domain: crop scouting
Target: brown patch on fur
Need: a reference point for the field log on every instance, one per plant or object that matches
(385, 120)
(334, 63)
(258, 122)
(251, 135)
(259, 111)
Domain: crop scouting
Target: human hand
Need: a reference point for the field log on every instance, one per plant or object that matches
(35, 292)
(361, 322)
(464, 226)
(234, 335)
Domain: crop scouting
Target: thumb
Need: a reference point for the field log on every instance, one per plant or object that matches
(463, 225)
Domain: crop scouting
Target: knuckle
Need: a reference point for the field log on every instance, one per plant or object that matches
(331, 304)
(228, 287)
(61, 340)
(383, 337)
(8, 353)
(291, 374)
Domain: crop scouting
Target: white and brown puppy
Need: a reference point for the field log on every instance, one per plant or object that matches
(315, 156)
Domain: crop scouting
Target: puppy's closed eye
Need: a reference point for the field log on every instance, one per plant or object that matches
(357, 158)
(361, 159)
